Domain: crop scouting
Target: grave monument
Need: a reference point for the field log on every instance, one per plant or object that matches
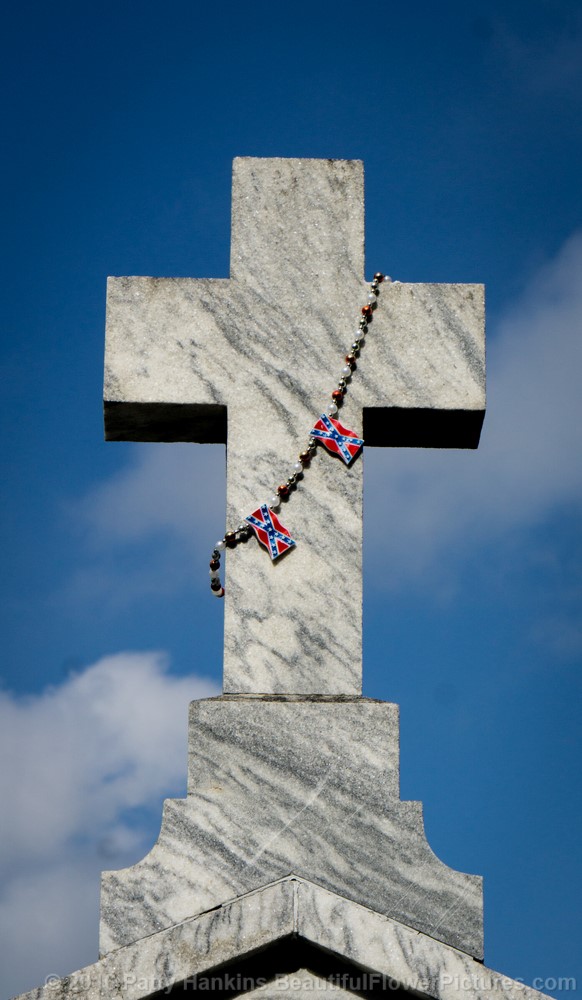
(292, 865)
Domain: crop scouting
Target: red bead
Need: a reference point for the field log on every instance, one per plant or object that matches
(305, 457)
(379, 277)
(215, 564)
(351, 361)
(337, 395)
(283, 490)
(367, 312)
(230, 539)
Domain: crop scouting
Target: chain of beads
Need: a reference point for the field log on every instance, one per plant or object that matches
(243, 531)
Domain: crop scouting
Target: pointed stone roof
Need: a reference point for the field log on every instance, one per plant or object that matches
(362, 949)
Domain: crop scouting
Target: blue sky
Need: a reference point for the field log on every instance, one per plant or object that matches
(120, 125)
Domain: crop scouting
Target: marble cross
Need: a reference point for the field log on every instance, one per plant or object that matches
(251, 361)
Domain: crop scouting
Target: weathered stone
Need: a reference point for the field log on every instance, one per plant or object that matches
(302, 786)
(297, 913)
(255, 358)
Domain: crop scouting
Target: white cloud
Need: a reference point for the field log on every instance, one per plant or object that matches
(76, 760)
(164, 489)
(528, 463)
(174, 496)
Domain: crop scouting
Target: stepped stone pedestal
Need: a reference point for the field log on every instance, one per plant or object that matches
(293, 787)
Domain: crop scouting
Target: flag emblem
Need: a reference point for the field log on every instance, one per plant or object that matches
(336, 438)
(270, 532)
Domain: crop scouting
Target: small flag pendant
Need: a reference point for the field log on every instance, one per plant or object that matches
(336, 438)
(270, 532)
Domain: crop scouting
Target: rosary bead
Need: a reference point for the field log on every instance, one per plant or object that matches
(367, 312)
(214, 574)
(372, 298)
(283, 490)
(337, 395)
(342, 383)
(379, 277)
(298, 468)
(275, 502)
(230, 539)
(221, 545)
(305, 457)
(215, 564)
(218, 592)
(332, 410)
(351, 361)
(346, 372)
(215, 585)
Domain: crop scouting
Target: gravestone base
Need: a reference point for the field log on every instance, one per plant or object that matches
(293, 785)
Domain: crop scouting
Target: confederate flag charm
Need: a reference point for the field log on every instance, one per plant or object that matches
(270, 532)
(336, 438)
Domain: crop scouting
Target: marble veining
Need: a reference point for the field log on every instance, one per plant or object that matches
(268, 344)
(292, 786)
(217, 939)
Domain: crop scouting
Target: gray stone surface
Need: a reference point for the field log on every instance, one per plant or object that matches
(254, 358)
(292, 907)
(292, 786)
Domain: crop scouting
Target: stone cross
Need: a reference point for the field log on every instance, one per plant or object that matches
(251, 361)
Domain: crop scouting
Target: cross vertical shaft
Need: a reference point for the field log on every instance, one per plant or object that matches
(295, 626)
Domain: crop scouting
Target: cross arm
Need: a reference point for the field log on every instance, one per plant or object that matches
(167, 360)
(422, 376)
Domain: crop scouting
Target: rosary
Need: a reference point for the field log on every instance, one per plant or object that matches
(327, 431)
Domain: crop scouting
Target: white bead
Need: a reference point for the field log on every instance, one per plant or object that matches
(221, 545)
(275, 502)
(219, 593)
(298, 467)
(372, 298)
(346, 372)
(214, 574)
(332, 410)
